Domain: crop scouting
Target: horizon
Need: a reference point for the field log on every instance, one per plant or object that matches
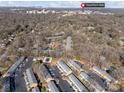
(57, 4)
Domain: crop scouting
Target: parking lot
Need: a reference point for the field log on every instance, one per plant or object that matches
(63, 84)
(19, 79)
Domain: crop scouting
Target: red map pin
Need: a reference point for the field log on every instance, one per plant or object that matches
(82, 5)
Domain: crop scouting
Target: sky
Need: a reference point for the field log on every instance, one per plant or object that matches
(60, 4)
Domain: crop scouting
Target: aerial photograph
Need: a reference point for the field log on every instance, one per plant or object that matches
(61, 46)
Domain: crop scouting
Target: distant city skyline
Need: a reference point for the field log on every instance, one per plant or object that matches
(57, 4)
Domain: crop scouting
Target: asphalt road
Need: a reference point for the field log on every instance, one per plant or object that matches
(19, 82)
(20, 85)
(98, 79)
(63, 84)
